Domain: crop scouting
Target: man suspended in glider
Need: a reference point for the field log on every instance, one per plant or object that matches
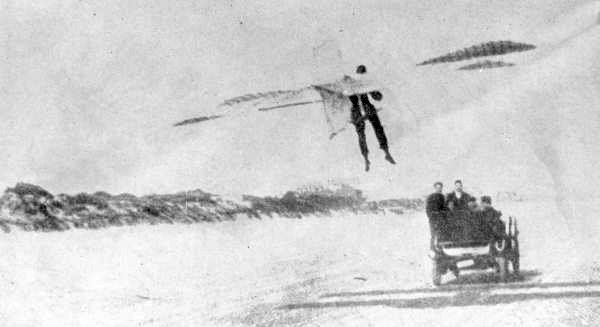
(345, 101)
(369, 112)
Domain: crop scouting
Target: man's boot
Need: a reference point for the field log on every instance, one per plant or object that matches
(367, 164)
(389, 158)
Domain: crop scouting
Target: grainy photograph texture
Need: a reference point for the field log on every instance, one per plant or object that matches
(300, 163)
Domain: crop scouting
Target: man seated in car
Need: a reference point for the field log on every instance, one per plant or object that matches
(458, 199)
(490, 217)
(468, 222)
(472, 205)
(459, 217)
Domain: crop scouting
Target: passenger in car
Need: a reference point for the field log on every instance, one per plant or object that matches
(490, 217)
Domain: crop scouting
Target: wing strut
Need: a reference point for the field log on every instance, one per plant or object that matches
(289, 105)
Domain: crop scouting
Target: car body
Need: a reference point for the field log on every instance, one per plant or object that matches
(456, 255)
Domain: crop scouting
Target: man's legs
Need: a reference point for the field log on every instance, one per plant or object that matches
(371, 113)
(359, 124)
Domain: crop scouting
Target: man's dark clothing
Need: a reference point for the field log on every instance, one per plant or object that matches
(478, 225)
(456, 203)
(435, 207)
(358, 120)
(435, 203)
(461, 226)
(359, 124)
(494, 227)
(371, 114)
(459, 219)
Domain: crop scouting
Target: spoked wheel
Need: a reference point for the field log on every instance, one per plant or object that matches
(515, 264)
(516, 259)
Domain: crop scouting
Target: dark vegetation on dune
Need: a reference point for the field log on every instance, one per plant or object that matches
(480, 50)
(31, 208)
(486, 64)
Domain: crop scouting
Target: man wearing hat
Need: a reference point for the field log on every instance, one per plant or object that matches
(491, 218)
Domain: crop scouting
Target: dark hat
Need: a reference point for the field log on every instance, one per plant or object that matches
(457, 181)
(361, 69)
(438, 183)
(486, 199)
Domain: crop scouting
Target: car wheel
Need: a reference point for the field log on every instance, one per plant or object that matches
(515, 264)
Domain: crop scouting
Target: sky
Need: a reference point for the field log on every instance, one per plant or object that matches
(90, 89)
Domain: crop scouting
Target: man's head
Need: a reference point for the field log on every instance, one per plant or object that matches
(376, 95)
(486, 201)
(361, 69)
(458, 186)
(438, 187)
(472, 203)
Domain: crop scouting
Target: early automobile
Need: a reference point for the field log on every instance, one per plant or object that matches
(451, 253)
